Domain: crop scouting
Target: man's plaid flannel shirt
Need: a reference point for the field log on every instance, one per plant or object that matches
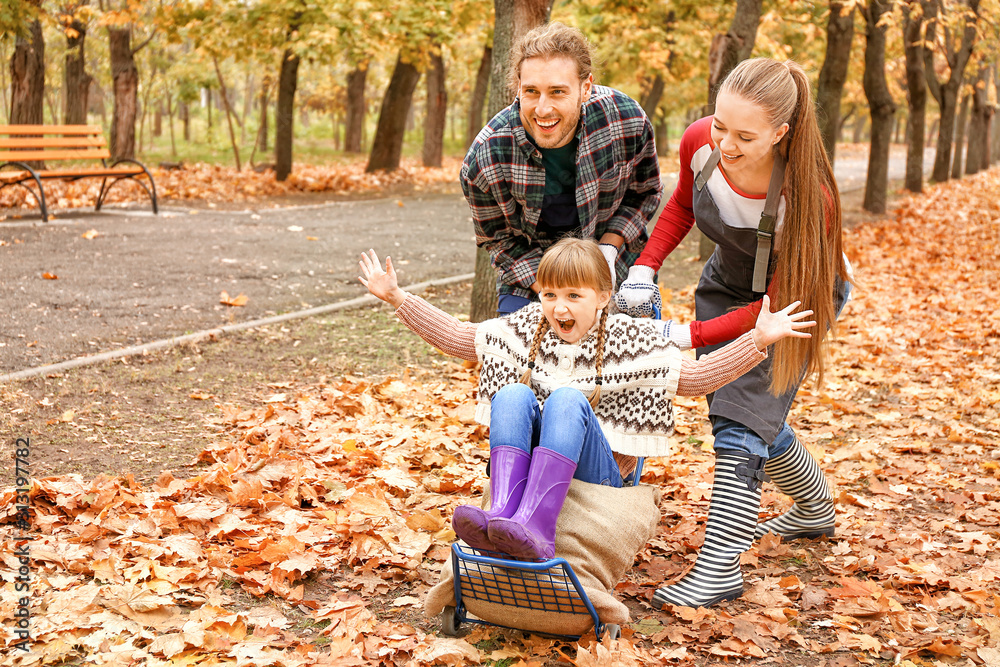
(617, 185)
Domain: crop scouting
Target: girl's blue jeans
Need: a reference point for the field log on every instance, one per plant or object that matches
(731, 434)
(566, 425)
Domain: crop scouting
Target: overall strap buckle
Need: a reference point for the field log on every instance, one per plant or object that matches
(766, 226)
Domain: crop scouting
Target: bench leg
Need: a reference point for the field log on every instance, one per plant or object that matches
(105, 190)
(150, 191)
(39, 196)
(102, 193)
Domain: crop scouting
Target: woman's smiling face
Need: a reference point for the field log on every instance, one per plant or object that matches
(742, 132)
(572, 311)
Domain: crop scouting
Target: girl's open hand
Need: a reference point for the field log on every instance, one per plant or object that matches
(772, 327)
(381, 283)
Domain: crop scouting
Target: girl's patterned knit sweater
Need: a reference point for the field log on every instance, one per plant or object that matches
(642, 371)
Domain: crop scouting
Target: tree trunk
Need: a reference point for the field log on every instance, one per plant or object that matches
(208, 114)
(50, 99)
(262, 131)
(916, 96)
(945, 133)
(991, 119)
(513, 19)
(355, 108)
(661, 133)
(158, 120)
(484, 288)
(125, 77)
(478, 101)
(248, 97)
(881, 105)
(726, 51)
(851, 110)
(651, 98)
(27, 74)
(144, 110)
(170, 122)
(437, 110)
(184, 112)
(946, 93)
(858, 132)
(730, 48)
(4, 86)
(994, 127)
(960, 122)
(977, 156)
(76, 81)
(833, 75)
(411, 124)
(388, 143)
(284, 115)
(229, 114)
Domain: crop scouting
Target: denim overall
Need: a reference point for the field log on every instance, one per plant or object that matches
(745, 415)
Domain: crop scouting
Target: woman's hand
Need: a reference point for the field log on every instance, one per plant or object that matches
(772, 327)
(637, 290)
(381, 283)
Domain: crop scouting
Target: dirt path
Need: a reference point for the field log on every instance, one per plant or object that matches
(144, 278)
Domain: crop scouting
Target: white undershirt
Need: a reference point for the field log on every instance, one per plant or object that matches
(736, 209)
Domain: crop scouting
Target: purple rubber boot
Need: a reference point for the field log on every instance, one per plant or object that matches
(508, 474)
(531, 531)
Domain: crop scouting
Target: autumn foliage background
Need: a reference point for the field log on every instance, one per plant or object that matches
(329, 505)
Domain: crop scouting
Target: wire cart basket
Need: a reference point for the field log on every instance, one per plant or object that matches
(547, 586)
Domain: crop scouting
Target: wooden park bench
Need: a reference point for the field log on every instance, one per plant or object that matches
(21, 145)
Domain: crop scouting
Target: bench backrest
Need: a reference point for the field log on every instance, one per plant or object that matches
(21, 143)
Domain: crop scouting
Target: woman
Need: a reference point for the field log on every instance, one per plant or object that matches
(756, 180)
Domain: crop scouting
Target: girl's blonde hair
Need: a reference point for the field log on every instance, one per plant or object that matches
(573, 262)
(809, 255)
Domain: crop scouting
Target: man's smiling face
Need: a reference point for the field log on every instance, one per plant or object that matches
(551, 95)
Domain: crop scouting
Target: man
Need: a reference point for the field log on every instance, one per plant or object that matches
(567, 157)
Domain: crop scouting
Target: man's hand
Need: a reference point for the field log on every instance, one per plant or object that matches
(610, 252)
(381, 283)
(772, 327)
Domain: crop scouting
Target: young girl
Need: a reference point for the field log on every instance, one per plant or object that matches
(539, 366)
(755, 179)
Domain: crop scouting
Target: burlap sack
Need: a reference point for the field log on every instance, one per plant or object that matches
(599, 532)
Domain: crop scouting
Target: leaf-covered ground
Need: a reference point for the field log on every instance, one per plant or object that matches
(329, 504)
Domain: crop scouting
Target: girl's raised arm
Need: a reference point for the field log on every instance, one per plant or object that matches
(445, 332)
(381, 283)
(712, 371)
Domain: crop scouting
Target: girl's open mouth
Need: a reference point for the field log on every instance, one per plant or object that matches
(566, 325)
